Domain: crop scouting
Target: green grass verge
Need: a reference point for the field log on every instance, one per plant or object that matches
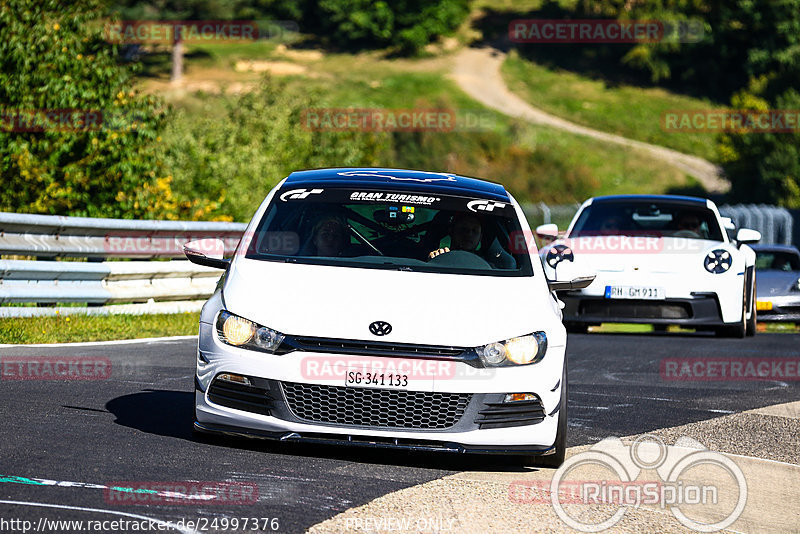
(632, 112)
(629, 328)
(76, 328)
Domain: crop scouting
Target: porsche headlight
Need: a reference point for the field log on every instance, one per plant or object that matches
(718, 261)
(515, 351)
(240, 332)
(557, 254)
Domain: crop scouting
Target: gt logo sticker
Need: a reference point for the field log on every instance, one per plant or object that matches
(297, 194)
(484, 205)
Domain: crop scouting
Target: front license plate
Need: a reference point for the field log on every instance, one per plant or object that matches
(361, 378)
(634, 292)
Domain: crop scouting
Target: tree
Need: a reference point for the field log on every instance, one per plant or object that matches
(75, 138)
(175, 10)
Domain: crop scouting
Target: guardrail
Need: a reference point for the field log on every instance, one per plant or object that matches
(176, 285)
(149, 286)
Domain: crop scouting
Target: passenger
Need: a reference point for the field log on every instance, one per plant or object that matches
(329, 237)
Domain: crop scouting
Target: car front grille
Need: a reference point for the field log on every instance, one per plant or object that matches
(239, 396)
(381, 408)
(504, 415)
(374, 348)
(635, 309)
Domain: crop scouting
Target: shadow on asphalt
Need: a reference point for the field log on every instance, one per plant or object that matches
(171, 413)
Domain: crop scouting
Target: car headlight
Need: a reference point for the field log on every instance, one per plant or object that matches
(718, 261)
(240, 332)
(557, 254)
(515, 351)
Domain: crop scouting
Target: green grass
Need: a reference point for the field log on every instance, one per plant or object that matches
(629, 328)
(76, 328)
(632, 112)
(536, 163)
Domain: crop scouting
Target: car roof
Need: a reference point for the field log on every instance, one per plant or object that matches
(677, 199)
(774, 248)
(398, 179)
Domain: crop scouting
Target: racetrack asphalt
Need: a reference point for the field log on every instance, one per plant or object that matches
(134, 427)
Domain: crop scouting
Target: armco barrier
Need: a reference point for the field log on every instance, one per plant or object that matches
(150, 286)
(177, 285)
(774, 223)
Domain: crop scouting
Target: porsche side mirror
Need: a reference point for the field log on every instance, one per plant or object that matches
(745, 236)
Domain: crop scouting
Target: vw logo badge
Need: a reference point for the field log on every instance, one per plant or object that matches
(380, 328)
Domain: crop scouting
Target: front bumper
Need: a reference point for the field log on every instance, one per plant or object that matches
(784, 308)
(699, 310)
(477, 429)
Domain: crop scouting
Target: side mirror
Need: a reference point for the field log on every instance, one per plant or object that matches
(547, 230)
(207, 252)
(728, 223)
(568, 276)
(576, 283)
(745, 236)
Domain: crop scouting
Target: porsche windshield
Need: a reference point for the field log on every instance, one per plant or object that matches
(403, 230)
(658, 219)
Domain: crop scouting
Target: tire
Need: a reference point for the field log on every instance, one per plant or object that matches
(576, 328)
(750, 328)
(739, 329)
(555, 460)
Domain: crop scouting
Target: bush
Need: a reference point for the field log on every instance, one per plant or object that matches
(235, 159)
(407, 25)
(53, 57)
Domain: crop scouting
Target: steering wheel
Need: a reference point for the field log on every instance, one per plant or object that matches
(686, 233)
(460, 258)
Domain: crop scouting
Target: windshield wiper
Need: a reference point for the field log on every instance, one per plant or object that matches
(364, 239)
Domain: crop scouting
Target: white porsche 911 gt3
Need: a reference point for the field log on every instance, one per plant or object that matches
(660, 260)
(385, 308)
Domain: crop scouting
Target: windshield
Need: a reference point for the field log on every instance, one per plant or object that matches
(659, 219)
(391, 230)
(775, 260)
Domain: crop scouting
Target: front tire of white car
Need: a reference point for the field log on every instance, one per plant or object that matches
(738, 329)
(751, 322)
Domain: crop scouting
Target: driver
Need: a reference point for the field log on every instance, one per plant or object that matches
(465, 234)
(689, 222)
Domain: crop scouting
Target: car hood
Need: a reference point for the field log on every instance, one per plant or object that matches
(771, 283)
(423, 308)
(640, 253)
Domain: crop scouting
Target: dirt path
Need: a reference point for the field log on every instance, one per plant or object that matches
(477, 72)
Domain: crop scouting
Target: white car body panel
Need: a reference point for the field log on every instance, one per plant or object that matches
(674, 264)
(337, 302)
